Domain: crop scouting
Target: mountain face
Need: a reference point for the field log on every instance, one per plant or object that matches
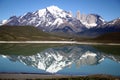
(55, 20)
(53, 60)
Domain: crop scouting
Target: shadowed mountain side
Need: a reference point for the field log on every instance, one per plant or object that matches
(109, 37)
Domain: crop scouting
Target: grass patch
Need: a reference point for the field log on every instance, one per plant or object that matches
(24, 33)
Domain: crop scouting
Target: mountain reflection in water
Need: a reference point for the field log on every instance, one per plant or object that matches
(67, 59)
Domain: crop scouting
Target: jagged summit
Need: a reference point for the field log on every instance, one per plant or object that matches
(90, 20)
(57, 12)
(54, 10)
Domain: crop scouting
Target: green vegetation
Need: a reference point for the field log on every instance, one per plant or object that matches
(24, 33)
(114, 50)
(24, 49)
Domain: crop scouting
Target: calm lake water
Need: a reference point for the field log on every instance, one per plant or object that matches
(60, 59)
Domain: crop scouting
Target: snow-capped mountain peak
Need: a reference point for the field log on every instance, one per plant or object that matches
(57, 12)
(49, 19)
(53, 9)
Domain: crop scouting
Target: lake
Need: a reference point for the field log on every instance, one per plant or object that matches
(66, 59)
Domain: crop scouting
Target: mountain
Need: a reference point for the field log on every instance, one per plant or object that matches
(50, 19)
(90, 20)
(60, 22)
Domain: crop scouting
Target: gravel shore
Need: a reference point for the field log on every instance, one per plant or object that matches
(13, 76)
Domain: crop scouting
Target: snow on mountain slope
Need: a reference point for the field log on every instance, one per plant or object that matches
(3, 22)
(115, 22)
(57, 12)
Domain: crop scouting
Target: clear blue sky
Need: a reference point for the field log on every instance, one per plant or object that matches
(108, 9)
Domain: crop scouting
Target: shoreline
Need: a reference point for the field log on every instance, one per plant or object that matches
(22, 76)
(62, 42)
